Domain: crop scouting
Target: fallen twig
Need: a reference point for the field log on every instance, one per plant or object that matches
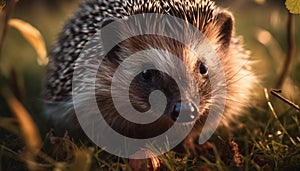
(276, 92)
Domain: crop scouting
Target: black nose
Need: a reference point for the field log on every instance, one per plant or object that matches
(188, 112)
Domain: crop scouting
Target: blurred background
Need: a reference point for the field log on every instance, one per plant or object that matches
(262, 24)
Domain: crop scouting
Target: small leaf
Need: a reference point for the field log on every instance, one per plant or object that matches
(293, 6)
(33, 36)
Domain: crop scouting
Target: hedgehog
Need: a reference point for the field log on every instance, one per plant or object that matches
(216, 24)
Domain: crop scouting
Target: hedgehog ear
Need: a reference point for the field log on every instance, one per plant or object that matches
(225, 22)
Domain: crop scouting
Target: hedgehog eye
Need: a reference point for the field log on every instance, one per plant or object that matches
(203, 68)
(146, 74)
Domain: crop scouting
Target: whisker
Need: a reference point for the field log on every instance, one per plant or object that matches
(239, 70)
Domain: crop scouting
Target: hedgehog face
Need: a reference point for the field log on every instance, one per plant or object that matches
(157, 70)
(194, 86)
(194, 100)
(193, 63)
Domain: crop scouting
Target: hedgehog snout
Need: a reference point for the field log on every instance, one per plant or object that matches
(184, 112)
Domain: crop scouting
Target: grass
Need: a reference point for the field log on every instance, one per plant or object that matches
(266, 138)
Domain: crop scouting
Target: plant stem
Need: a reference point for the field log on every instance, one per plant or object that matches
(5, 24)
(290, 51)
